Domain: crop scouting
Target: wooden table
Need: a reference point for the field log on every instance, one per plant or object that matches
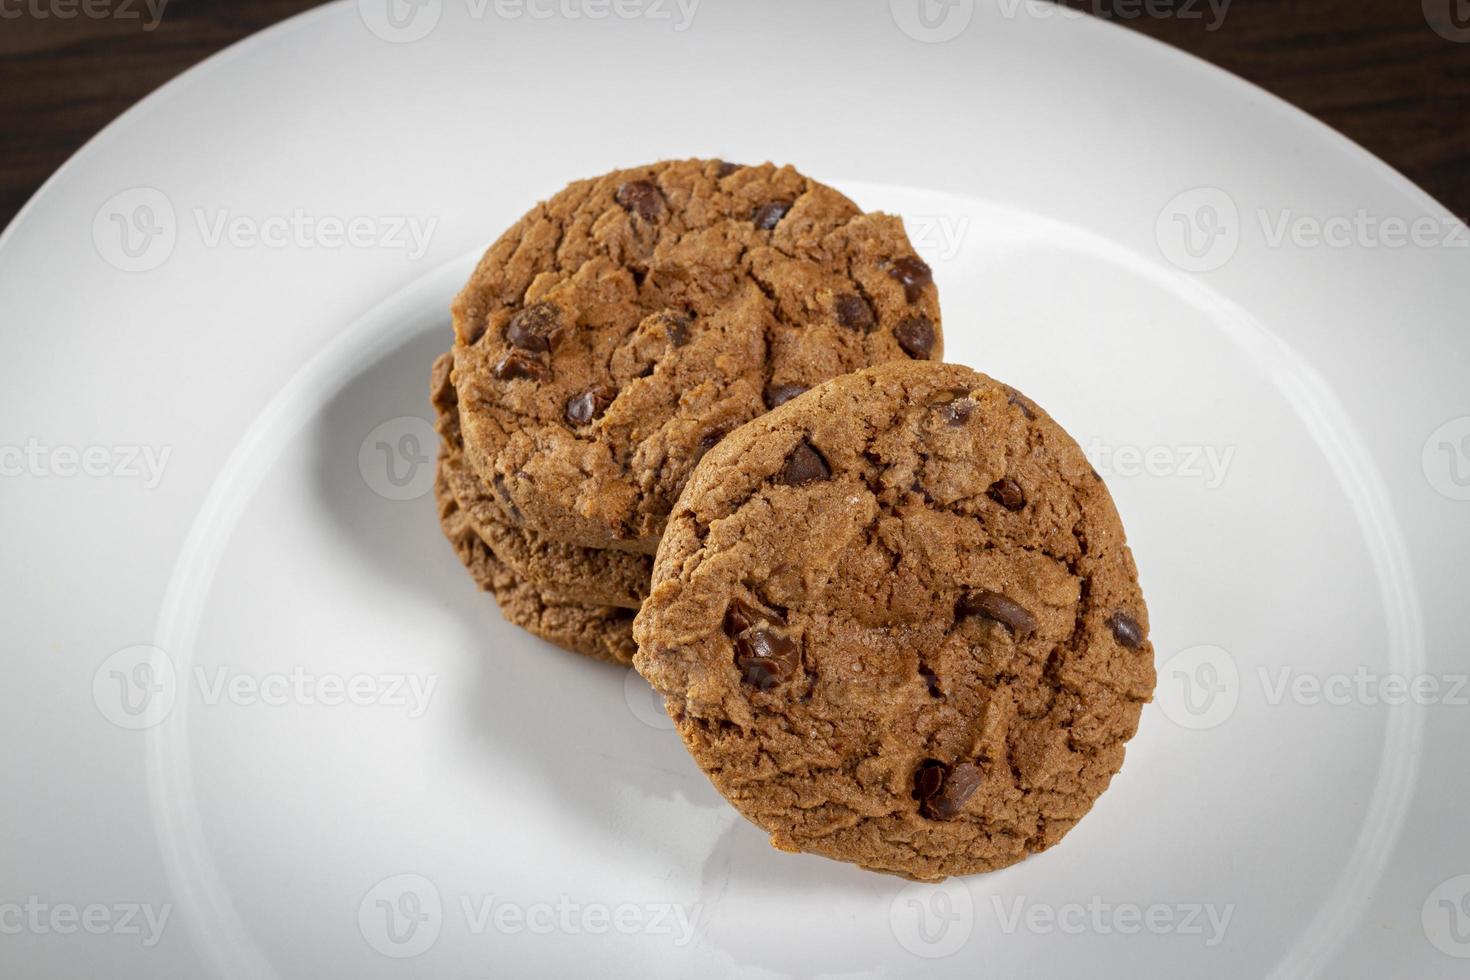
(1373, 69)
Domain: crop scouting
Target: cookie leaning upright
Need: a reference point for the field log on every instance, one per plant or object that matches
(897, 623)
(622, 328)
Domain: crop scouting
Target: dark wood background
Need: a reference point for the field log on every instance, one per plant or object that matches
(1373, 69)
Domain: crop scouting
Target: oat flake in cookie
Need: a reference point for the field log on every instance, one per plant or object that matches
(896, 622)
(619, 330)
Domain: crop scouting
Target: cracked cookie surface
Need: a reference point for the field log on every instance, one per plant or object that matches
(897, 623)
(619, 330)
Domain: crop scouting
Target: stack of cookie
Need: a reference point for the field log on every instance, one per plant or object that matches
(617, 333)
(694, 420)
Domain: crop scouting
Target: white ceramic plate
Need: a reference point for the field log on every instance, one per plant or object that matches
(260, 723)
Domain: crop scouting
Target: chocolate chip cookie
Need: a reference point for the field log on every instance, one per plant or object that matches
(604, 633)
(619, 330)
(897, 623)
(561, 572)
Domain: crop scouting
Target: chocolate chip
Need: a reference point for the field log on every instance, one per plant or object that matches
(1007, 493)
(1126, 630)
(916, 336)
(726, 169)
(1019, 400)
(712, 438)
(741, 616)
(992, 605)
(930, 681)
(518, 365)
(805, 465)
(536, 328)
(914, 273)
(854, 313)
(768, 216)
(765, 658)
(677, 325)
(642, 198)
(503, 492)
(954, 791)
(589, 405)
(957, 412)
(928, 778)
(777, 395)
